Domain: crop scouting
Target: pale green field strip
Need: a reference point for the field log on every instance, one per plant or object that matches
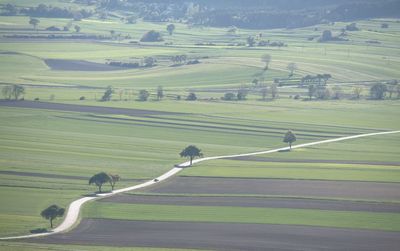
(53, 183)
(193, 75)
(378, 148)
(84, 50)
(305, 130)
(306, 171)
(211, 126)
(19, 246)
(358, 114)
(42, 133)
(324, 218)
(261, 196)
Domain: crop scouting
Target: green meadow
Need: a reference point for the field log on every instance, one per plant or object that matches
(326, 218)
(47, 156)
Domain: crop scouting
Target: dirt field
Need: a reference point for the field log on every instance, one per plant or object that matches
(263, 159)
(83, 108)
(224, 236)
(78, 65)
(280, 187)
(255, 202)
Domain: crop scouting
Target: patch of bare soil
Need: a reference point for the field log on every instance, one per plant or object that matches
(83, 108)
(255, 202)
(222, 236)
(379, 191)
(78, 65)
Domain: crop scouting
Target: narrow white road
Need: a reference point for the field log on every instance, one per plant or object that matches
(72, 216)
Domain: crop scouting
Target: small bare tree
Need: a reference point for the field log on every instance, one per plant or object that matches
(266, 58)
(357, 90)
(274, 90)
(292, 67)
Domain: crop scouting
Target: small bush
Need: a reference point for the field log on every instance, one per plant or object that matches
(195, 61)
(352, 27)
(143, 95)
(53, 28)
(82, 98)
(229, 96)
(152, 36)
(191, 97)
(36, 99)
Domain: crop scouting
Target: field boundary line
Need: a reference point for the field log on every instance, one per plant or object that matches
(72, 216)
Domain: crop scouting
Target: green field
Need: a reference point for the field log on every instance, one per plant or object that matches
(47, 156)
(313, 166)
(347, 219)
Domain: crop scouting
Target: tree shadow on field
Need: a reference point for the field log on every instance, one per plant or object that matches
(39, 231)
(284, 151)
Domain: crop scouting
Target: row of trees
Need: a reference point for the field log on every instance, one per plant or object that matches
(143, 95)
(377, 91)
(47, 11)
(319, 79)
(316, 88)
(263, 90)
(320, 91)
(144, 62)
(254, 14)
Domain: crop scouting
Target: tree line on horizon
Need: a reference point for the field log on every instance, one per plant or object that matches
(254, 14)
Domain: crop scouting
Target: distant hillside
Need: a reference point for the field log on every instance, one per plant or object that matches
(256, 14)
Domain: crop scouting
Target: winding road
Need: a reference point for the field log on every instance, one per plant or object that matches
(72, 216)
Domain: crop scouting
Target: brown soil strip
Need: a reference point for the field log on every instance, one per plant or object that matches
(223, 236)
(83, 108)
(78, 65)
(280, 187)
(255, 202)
